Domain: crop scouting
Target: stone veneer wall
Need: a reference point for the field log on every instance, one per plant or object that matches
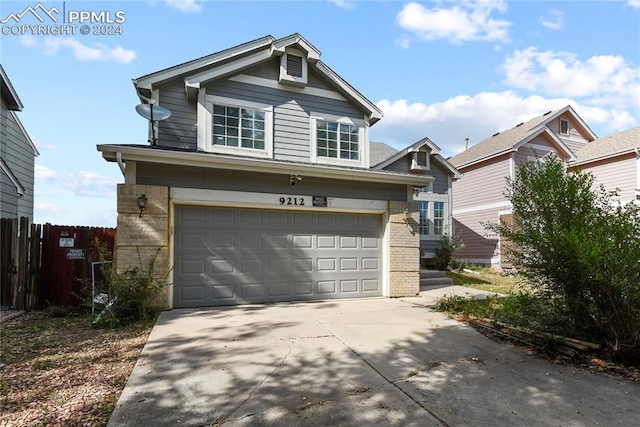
(139, 239)
(404, 250)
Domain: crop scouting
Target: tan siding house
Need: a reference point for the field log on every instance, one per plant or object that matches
(478, 197)
(614, 161)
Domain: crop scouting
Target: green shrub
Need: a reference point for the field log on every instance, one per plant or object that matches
(132, 294)
(581, 253)
(444, 254)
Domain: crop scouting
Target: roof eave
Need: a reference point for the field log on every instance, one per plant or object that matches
(607, 156)
(11, 95)
(196, 159)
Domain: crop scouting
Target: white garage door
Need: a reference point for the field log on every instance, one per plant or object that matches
(227, 256)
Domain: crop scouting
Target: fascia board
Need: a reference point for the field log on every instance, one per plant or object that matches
(149, 80)
(15, 103)
(485, 158)
(26, 135)
(198, 80)
(456, 173)
(279, 46)
(602, 157)
(19, 188)
(375, 113)
(109, 153)
(551, 135)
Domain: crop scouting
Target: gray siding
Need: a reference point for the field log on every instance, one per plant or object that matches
(20, 158)
(441, 184)
(179, 130)
(291, 114)
(230, 180)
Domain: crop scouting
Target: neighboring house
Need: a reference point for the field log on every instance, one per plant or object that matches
(17, 156)
(260, 187)
(479, 195)
(614, 161)
(435, 199)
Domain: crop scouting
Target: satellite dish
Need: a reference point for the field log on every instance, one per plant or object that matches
(153, 113)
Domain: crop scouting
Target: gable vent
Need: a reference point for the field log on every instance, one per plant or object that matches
(294, 65)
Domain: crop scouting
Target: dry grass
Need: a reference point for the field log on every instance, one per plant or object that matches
(60, 371)
(487, 280)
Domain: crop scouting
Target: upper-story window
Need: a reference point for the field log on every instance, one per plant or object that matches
(232, 126)
(338, 140)
(564, 127)
(238, 127)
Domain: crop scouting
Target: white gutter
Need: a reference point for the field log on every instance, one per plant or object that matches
(198, 159)
(120, 163)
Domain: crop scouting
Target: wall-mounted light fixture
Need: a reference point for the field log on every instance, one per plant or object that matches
(406, 216)
(142, 203)
(294, 178)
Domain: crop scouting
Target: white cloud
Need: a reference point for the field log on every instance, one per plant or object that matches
(344, 4)
(82, 183)
(634, 3)
(554, 19)
(186, 6)
(98, 52)
(603, 79)
(464, 21)
(477, 117)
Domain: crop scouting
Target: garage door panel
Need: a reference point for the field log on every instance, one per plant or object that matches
(236, 256)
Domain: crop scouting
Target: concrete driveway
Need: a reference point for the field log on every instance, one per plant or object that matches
(354, 363)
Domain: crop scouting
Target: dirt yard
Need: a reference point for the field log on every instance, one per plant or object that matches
(59, 371)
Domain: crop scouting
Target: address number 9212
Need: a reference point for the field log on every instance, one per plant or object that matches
(292, 201)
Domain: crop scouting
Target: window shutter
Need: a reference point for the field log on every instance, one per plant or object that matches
(294, 65)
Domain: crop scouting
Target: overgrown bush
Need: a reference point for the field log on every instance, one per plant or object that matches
(444, 254)
(580, 250)
(132, 294)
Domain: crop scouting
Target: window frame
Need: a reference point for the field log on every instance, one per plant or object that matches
(210, 146)
(560, 127)
(363, 135)
(431, 200)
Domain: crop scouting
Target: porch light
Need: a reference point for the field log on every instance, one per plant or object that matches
(142, 203)
(406, 216)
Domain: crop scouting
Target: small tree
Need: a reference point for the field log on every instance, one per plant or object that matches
(444, 254)
(579, 250)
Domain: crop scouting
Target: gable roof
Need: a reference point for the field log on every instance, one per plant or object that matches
(512, 139)
(221, 64)
(433, 148)
(9, 93)
(609, 146)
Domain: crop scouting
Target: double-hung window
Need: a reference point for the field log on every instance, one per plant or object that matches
(433, 215)
(339, 141)
(233, 126)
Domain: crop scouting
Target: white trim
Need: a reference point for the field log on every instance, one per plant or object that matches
(505, 204)
(13, 95)
(5, 167)
(637, 173)
(272, 84)
(197, 159)
(512, 166)
(206, 133)
(36, 153)
(541, 147)
(147, 81)
(194, 82)
(248, 199)
(285, 77)
(363, 141)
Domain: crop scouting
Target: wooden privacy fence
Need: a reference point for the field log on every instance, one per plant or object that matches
(45, 265)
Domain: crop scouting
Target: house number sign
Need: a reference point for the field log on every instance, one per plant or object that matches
(292, 201)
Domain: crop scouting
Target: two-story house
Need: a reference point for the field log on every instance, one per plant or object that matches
(17, 156)
(259, 186)
(479, 196)
(434, 200)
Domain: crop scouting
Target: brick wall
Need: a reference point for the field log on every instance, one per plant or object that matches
(404, 250)
(140, 239)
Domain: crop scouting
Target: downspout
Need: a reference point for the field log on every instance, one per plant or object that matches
(120, 163)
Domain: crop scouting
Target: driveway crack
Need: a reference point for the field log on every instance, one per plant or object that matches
(258, 385)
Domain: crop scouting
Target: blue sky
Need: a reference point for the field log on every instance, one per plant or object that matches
(445, 70)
